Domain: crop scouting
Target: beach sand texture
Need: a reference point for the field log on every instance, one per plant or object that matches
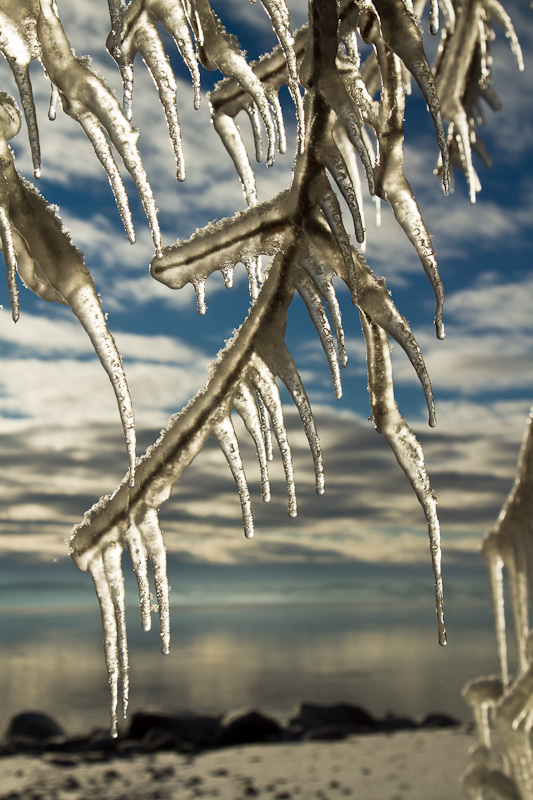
(405, 765)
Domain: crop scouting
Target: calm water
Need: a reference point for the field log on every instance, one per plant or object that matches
(267, 637)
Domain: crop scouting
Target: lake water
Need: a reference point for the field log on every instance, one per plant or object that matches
(267, 637)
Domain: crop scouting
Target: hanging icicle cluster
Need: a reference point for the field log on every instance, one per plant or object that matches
(349, 117)
(503, 705)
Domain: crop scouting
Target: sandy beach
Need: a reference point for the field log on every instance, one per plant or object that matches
(404, 765)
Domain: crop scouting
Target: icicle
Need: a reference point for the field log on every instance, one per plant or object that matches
(227, 272)
(218, 50)
(251, 269)
(22, 78)
(265, 385)
(393, 186)
(36, 229)
(285, 368)
(139, 558)
(483, 54)
(404, 444)
(112, 555)
(155, 547)
(255, 121)
(502, 17)
(434, 17)
(278, 119)
(480, 694)
(317, 313)
(335, 164)
(352, 48)
(109, 627)
(103, 152)
(199, 288)
(228, 130)
(449, 13)
(347, 152)
(54, 100)
(245, 404)
(227, 439)
(11, 261)
(401, 33)
(86, 306)
(350, 117)
(321, 273)
(377, 206)
(149, 44)
(10, 119)
(376, 302)
(279, 15)
(176, 23)
(332, 212)
(265, 427)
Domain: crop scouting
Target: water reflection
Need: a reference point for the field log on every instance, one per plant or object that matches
(384, 657)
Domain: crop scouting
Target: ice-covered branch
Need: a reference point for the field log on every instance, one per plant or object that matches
(505, 704)
(31, 29)
(463, 76)
(302, 229)
(39, 249)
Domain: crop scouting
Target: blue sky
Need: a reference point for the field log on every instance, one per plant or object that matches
(61, 443)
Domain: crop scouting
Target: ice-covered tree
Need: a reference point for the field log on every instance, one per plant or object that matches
(348, 72)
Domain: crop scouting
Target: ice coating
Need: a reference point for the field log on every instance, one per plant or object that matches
(229, 98)
(334, 162)
(246, 405)
(482, 694)
(139, 558)
(104, 154)
(30, 30)
(353, 116)
(265, 385)
(54, 269)
(227, 439)
(152, 536)
(316, 265)
(317, 312)
(9, 127)
(463, 77)
(503, 705)
(19, 44)
(404, 444)
(376, 302)
(109, 627)
(401, 33)
(134, 30)
(391, 183)
(281, 22)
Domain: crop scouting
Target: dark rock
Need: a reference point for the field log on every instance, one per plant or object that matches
(311, 715)
(328, 733)
(391, 724)
(98, 743)
(33, 725)
(198, 729)
(159, 739)
(247, 728)
(438, 720)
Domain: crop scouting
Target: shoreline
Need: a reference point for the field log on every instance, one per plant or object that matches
(413, 764)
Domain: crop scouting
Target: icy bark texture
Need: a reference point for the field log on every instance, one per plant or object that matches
(503, 705)
(349, 114)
